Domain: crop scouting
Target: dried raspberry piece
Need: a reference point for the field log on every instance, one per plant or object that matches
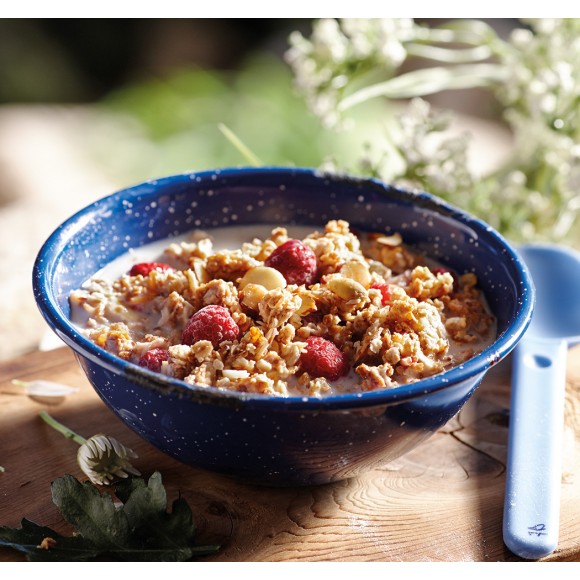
(144, 268)
(213, 323)
(385, 292)
(315, 317)
(322, 358)
(295, 261)
(153, 358)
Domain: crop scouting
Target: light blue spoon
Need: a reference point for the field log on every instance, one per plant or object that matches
(534, 467)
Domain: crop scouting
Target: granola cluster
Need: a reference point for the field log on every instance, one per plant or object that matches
(394, 319)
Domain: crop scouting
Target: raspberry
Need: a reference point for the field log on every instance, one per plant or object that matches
(145, 267)
(385, 292)
(153, 358)
(213, 323)
(295, 261)
(322, 358)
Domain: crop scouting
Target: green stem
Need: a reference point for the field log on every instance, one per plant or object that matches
(471, 32)
(245, 151)
(428, 81)
(449, 55)
(62, 428)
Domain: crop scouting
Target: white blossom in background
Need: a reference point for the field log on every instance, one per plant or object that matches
(544, 79)
(542, 102)
(535, 75)
(338, 52)
(381, 40)
(432, 159)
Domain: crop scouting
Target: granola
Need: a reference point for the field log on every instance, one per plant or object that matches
(395, 316)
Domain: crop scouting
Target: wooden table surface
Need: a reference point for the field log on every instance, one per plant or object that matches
(441, 502)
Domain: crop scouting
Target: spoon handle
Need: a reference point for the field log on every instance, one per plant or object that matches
(534, 467)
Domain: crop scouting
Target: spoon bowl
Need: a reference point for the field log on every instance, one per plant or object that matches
(556, 274)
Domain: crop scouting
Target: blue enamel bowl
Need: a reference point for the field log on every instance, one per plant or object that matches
(262, 439)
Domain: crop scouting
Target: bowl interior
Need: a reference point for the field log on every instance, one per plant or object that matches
(175, 205)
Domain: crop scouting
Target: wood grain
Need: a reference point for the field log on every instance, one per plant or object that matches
(441, 502)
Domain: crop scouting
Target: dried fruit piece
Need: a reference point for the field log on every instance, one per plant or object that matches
(153, 359)
(213, 323)
(322, 358)
(144, 268)
(295, 261)
(385, 292)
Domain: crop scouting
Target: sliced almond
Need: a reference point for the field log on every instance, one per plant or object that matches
(307, 306)
(235, 374)
(201, 274)
(393, 241)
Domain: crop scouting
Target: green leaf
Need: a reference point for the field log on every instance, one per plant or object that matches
(180, 521)
(141, 529)
(145, 508)
(136, 494)
(92, 513)
(29, 537)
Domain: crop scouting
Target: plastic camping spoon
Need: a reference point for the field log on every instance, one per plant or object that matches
(534, 468)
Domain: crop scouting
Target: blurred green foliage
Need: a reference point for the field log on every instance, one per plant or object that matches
(170, 125)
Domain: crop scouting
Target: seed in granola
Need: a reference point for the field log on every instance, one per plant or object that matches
(347, 289)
